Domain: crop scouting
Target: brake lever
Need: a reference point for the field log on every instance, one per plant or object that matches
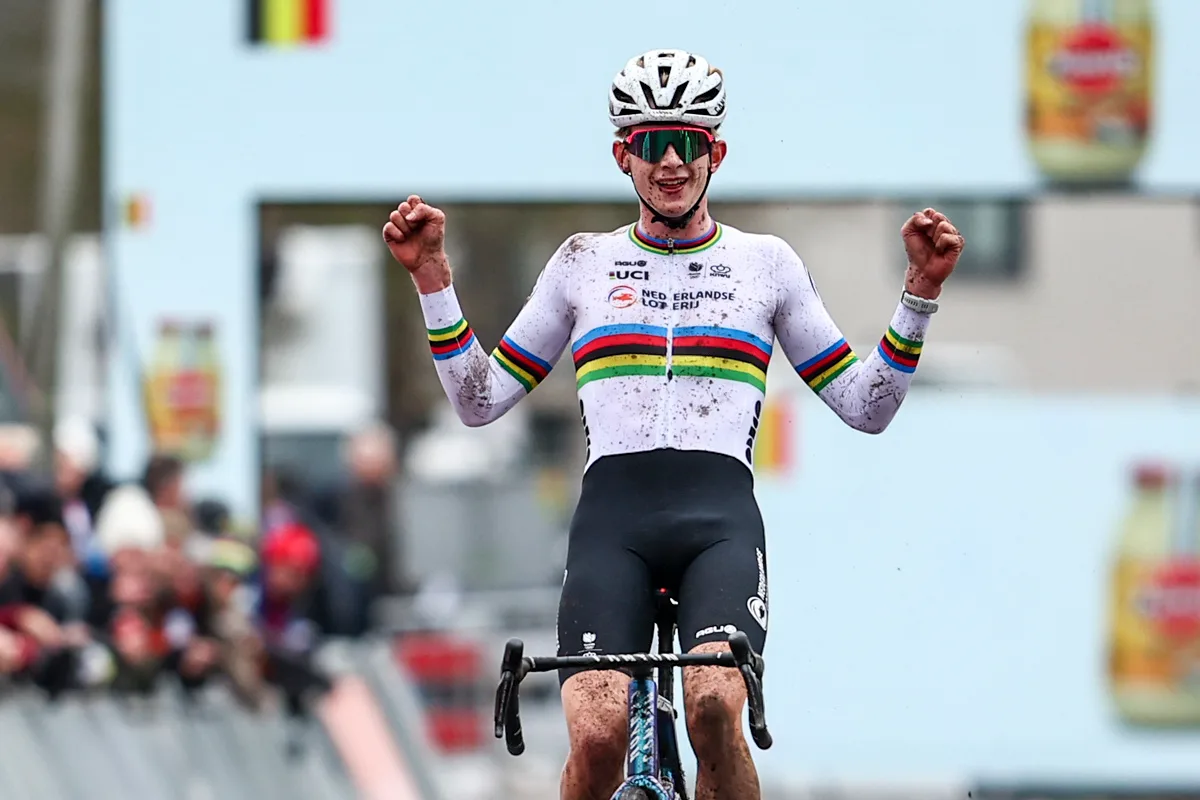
(508, 693)
(758, 717)
(752, 666)
(504, 691)
(513, 738)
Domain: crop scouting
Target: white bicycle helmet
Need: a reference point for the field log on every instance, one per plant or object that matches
(667, 87)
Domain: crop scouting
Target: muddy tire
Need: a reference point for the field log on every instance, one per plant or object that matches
(634, 793)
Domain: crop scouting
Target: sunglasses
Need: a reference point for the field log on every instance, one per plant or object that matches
(651, 145)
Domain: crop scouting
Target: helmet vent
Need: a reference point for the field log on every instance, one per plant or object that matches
(649, 96)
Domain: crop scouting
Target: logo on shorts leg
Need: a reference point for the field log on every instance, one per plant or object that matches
(589, 641)
(757, 605)
(758, 610)
(725, 629)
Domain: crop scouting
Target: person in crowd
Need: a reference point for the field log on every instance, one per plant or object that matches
(18, 649)
(42, 598)
(285, 499)
(290, 558)
(19, 448)
(361, 512)
(227, 616)
(16, 652)
(180, 608)
(125, 596)
(52, 599)
(163, 479)
(81, 485)
(212, 517)
(291, 613)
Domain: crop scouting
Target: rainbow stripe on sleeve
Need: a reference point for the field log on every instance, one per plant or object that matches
(446, 343)
(524, 366)
(824, 368)
(899, 353)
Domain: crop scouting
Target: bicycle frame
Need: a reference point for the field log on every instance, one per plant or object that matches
(644, 764)
(653, 760)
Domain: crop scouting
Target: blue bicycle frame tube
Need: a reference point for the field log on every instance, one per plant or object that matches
(643, 728)
(643, 763)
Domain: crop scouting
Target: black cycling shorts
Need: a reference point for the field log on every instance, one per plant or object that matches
(686, 521)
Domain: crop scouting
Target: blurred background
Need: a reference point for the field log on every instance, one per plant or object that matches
(247, 549)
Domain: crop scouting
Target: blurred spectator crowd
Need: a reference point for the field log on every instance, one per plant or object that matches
(117, 586)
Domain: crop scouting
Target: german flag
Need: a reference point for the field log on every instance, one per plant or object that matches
(288, 22)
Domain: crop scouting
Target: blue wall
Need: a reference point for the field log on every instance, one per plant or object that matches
(470, 100)
(938, 593)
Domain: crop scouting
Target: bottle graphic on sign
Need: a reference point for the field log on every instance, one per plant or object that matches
(183, 391)
(1154, 644)
(157, 388)
(207, 406)
(1089, 71)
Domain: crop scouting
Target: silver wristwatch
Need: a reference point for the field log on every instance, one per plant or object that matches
(918, 304)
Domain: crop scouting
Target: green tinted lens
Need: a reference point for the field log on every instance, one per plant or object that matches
(652, 145)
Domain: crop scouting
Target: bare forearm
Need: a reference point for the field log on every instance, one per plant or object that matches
(432, 276)
(919, 285)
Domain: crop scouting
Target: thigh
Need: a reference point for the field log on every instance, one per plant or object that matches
(607, 603)
(724, 588)
(596, 707)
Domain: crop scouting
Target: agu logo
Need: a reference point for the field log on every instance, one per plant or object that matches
(622, 296)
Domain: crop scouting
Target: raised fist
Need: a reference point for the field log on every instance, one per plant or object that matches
(415, 234)
(933, 246)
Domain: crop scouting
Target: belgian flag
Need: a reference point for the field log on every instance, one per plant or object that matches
(297, 23)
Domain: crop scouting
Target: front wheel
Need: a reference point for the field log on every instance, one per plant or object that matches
(634, 793)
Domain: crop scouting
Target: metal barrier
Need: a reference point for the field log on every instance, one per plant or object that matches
(164, 746)
(369, 741)
(365, 740)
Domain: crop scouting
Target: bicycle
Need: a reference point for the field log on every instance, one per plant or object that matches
(652, 768)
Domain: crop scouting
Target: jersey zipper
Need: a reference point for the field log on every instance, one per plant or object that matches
(669, 394)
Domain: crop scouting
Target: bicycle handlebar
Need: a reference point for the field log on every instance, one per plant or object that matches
(515, 666)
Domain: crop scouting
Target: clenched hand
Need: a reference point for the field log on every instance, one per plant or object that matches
(933, 246)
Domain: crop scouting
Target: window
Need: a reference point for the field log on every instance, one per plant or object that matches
(995, 231)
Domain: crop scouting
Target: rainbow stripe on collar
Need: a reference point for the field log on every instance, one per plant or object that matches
(683, 247)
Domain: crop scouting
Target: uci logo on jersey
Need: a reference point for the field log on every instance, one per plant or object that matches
(627, 274)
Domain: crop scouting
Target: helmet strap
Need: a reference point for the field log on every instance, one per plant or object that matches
(681, 221)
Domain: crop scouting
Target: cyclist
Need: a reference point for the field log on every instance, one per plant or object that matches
(670, 323)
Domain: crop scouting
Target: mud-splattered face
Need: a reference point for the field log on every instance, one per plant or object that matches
(671, 181)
